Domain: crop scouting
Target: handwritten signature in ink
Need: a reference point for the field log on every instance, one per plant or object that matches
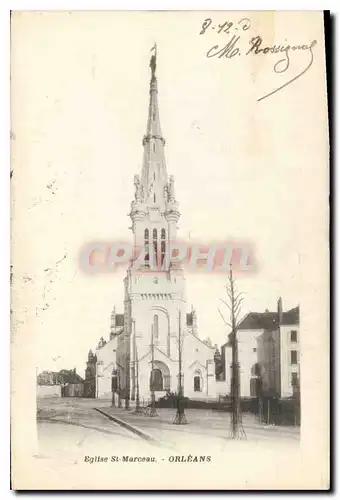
(233, 47)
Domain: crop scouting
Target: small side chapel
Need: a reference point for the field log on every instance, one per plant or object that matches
(145, 339)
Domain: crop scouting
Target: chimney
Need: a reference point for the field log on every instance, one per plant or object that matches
(279, 310)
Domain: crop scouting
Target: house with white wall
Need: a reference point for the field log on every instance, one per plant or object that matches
(268, 349)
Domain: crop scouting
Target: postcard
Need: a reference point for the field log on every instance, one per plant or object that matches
(169, 251)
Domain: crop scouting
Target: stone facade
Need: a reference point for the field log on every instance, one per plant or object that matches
(155, 307)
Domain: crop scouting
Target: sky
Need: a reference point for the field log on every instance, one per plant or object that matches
(79, 112)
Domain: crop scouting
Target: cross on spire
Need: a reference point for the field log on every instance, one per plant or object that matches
(153, 60)
(154, 176)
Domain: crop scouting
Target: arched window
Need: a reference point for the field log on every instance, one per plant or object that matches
(197, 381)
(155, 328)
(155, 249)
(146, 247)
(156, 380)
(162, 246)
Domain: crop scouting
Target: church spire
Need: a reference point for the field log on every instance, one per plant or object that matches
(154, 176)
(153, 60)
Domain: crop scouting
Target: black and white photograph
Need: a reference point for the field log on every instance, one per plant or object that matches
(169, 242)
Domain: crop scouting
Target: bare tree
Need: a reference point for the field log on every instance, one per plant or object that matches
(180, 417)
(234, 305)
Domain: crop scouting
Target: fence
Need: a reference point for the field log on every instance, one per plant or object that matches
(268, 410)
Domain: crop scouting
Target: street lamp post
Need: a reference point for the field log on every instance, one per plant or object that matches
(138, 408)
(136, 370)
(133, 362)
(119, 388)
(114, 386)
(125, 369)
(180, 417)
(152, 412)
(127, 373)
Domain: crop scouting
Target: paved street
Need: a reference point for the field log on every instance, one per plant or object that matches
(205, 428)
(74, 428)
(71, 431)
(71, 428)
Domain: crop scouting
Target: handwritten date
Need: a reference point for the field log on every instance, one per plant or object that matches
(243, 24)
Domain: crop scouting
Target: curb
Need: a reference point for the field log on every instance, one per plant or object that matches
(127, 426)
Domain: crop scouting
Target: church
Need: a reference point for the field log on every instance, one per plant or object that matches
(155, 343)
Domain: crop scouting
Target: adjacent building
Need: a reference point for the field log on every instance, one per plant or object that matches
(65, 383)
(279, 355)
(268, 348)
(49, 378)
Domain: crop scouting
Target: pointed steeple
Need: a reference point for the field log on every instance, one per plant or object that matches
(154, 196)
(113, 323)
(154, 176)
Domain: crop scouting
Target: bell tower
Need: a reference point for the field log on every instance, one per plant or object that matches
(154, 287)
(154, 211)
(155, 348)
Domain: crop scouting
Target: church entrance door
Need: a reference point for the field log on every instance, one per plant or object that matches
(156, 380)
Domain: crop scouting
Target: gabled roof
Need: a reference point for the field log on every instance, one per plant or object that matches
(71, 377)
(200, 340)
(197, 363)
(291, 317)
(267, 321)
(259, 321)
(75, 379)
